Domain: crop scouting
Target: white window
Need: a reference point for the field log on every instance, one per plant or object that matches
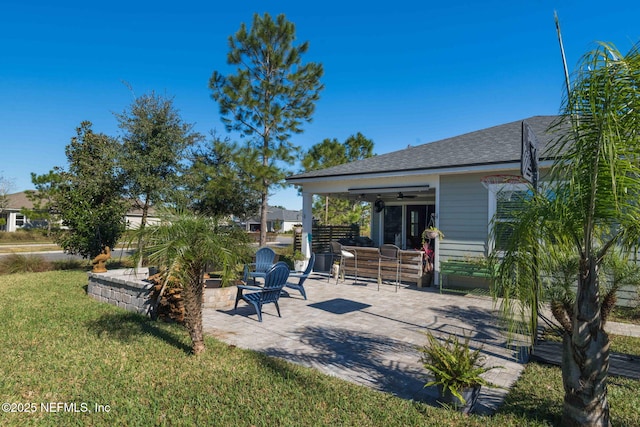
(504, 201)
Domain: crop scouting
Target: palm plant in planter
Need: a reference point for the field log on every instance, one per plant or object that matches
(457, 370)
(184, 245)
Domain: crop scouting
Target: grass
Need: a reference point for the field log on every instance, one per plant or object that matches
(33, 263)
(12, 248)
(60, 345)
(27, 263)
(626, 314)
(534, 398)
(25, 236)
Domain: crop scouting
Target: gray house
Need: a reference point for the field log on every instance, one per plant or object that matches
(278, 220)
(438, 183)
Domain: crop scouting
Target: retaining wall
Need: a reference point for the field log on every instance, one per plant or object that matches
(126, 288)
(220, 298)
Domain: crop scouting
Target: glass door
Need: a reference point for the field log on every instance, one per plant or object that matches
(403, 225)
(393, 225)
(416, 218)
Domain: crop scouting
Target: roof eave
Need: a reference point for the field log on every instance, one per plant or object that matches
(466, 168)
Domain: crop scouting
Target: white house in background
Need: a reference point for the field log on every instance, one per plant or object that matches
(15, 220)
(134, 217)
(278, 220)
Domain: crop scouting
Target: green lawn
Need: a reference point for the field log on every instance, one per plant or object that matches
(61, 347)
(9, 248)
(626, 314)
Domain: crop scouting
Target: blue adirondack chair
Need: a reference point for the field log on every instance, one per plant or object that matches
(300, 285)
(274, 281)
(264, 261)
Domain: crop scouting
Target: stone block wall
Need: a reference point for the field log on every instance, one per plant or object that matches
(126, 288)
(220, 298)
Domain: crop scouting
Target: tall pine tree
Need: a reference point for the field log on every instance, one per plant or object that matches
(268, 98)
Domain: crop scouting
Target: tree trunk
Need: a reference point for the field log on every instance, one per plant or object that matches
(263, 219)
(192, 298)
(265, 184)
(143, 223)
(585, 357)
(145, 212)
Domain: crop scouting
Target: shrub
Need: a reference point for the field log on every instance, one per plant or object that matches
(25, 235)
(69, 264)
(27, 263)
(454, 364)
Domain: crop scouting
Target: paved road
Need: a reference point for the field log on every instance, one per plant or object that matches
(59, 255)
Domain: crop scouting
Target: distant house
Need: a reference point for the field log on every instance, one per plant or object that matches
(15, 220)
(437, 183)
(134, 217)
(278, 220)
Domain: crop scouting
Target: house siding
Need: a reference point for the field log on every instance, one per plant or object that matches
(628, 296)
(463, 216)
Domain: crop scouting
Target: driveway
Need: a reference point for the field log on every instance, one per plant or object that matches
(370, 337)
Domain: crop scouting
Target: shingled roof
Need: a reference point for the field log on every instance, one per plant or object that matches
(274, 214)
(17, 201)
(494, 145)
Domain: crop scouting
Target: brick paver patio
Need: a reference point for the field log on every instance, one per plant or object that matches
(370, 337)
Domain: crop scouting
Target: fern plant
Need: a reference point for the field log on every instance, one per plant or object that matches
(454, 365)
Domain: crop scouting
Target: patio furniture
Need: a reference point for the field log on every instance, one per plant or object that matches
(300, 285)
(342, 256)
(377, 263)
(412, 265)
(465, 268)
(389, 263)
(371, 263)
(274, 281)
(265, 258)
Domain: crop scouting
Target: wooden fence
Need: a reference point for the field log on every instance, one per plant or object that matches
(322, 235)
(255, 236)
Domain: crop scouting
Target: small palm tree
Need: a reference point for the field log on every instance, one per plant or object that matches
(183, 246)
(588, 212)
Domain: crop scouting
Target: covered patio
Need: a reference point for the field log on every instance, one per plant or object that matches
(369, 337)
(442, 184)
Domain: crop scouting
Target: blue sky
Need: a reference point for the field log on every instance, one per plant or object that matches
(405, 74)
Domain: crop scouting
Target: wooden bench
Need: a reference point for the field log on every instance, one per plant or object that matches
(368, 263)
(465, 269)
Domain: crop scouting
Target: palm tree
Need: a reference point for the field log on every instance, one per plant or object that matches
(589, 209)
(184, 245)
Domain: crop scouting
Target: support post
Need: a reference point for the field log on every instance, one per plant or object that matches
(307, 219)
